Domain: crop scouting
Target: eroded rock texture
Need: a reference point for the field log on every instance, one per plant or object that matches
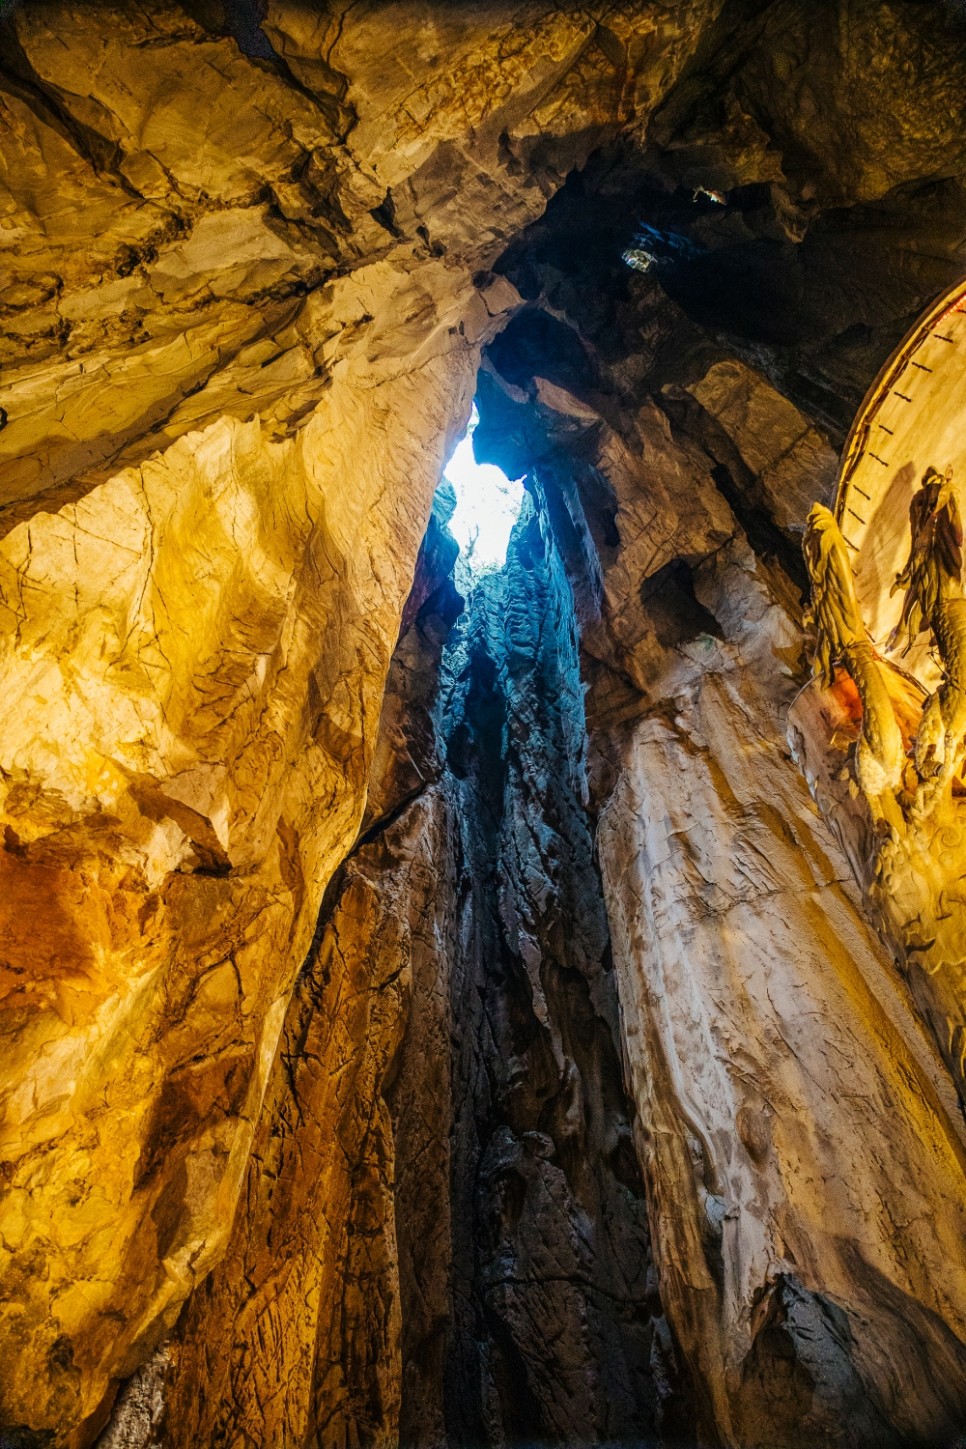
(557, 1334)
(445, 1179)
(766, 1030)
(225, 414)
(295, 1337)
(253, 265)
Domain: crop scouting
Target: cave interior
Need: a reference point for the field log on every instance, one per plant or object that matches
(463, 992)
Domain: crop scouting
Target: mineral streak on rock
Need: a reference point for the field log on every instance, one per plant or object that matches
(305, 1180)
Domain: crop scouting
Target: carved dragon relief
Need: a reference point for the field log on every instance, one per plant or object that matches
(907, 771)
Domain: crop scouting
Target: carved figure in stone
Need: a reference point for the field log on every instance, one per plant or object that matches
(913, 865)
(841, 637)
(934, 600)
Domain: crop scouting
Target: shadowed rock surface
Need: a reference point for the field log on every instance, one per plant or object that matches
(557, 1332)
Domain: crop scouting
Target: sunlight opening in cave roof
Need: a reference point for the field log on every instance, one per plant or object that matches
(487, 505)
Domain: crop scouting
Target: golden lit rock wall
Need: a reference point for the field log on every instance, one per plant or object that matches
(240, 333)
(212, 688)
(804, 1147)
(296, 1338)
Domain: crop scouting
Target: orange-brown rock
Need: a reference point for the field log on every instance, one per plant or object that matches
(296, 1337)
(198, 625)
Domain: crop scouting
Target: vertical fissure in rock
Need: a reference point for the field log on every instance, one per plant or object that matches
(548, 1326)
(444, 1175)
(379, 1182)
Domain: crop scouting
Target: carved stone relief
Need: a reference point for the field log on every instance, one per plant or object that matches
(881, 730)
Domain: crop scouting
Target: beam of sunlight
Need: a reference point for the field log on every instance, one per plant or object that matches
(487, 506)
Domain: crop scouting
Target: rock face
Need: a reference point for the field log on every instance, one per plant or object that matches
(312, 1268)
(754, 997)
(374, 1174)
(795, 1332)
(556, 1331)
(471, 1264)
(214, 511)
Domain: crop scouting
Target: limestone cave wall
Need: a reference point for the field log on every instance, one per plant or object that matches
(755, 998)
(430, 1021)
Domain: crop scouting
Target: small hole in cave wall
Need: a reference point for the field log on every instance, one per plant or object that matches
(488, 504)
(244, 19)
(675, 612)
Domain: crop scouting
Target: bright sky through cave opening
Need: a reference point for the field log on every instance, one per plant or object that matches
(487, 505)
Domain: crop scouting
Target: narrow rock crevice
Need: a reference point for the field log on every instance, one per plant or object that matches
(445, 1170)
(555, 1332)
